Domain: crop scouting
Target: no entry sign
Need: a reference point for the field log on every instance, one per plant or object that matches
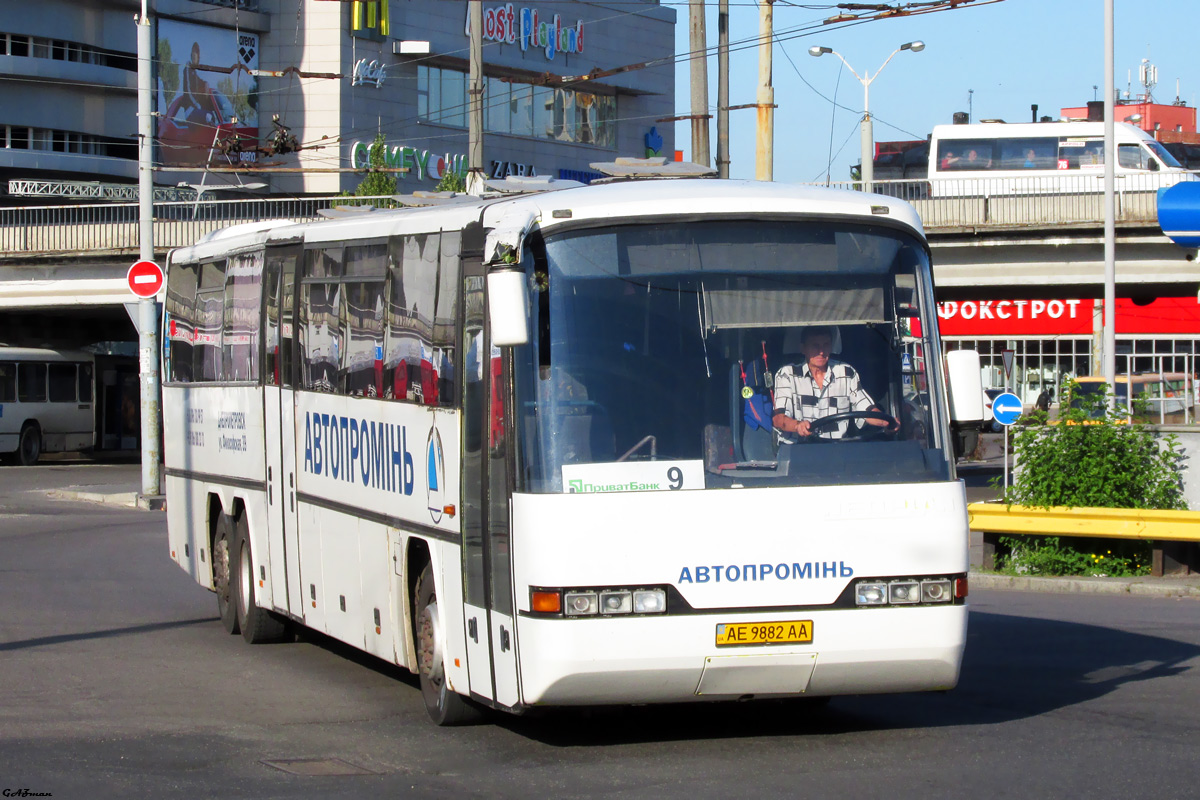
(145, 279)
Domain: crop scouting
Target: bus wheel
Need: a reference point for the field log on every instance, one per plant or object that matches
(445, 707)
(29, 446)
(258, 625)
(223, 573)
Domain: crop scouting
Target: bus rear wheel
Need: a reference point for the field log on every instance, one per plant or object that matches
(257, 624)
(223, 573)
(29, 446)
(445, 707)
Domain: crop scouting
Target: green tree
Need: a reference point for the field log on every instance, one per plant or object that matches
(377, 184)
(451, 182)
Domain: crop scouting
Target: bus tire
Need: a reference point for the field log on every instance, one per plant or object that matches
(445, 707)
(223, 580)
(29, 445)
(257, 624)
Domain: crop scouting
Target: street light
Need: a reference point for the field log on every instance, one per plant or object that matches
(868, 135)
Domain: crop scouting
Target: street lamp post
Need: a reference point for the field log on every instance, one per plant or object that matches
(868, 134)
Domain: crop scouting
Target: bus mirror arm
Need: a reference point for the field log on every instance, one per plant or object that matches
(508, 307)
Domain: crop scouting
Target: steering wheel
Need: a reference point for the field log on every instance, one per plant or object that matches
(818, 425)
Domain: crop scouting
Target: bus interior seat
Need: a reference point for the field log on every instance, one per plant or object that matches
(751, 442)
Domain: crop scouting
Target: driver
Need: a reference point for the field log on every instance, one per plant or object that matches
(817, 388)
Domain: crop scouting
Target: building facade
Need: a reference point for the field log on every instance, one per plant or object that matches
(299, 91)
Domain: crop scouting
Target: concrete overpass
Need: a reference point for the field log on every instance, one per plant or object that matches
(62, 268)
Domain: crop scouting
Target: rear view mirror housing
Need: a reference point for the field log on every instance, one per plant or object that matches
(508, 307)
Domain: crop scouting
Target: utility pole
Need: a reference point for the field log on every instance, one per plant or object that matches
(1109, 335)
(764, 152)
(698, 45)
(723, 89)
(475, 174)
(147, 306)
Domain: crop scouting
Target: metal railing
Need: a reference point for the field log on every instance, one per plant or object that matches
(943, 204)
(1043, 201)
(113, 227)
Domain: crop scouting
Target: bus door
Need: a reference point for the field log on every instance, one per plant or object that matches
(280, 424)
(487, 573)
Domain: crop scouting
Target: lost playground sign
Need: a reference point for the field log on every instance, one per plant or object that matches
(505, 25)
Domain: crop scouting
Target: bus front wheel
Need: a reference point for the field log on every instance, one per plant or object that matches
(29, 446)
(257, 624)
(223, 573)
(445, 707)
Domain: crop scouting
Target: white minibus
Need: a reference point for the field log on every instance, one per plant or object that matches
(46, 402)
(997, 158)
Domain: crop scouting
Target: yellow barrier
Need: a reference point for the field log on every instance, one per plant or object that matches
(1112, 523)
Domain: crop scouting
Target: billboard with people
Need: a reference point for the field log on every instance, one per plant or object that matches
(206, 93)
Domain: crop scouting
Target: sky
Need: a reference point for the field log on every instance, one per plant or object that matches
(1012, 53)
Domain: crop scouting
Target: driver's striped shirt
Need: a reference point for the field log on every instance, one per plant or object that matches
(797, 395)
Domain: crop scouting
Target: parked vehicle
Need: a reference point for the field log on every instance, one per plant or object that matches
(45, 402)
(991, 159)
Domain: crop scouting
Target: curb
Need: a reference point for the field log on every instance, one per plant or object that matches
(123, 499)
(1143, 587)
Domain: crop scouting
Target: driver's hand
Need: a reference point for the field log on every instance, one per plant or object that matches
(802, 428)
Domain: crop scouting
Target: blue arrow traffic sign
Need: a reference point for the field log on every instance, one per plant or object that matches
(1006, 408)
(1179, 213)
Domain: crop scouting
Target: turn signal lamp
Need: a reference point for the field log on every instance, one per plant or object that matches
(546, 602)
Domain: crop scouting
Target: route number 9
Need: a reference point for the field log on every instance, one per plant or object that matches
(675, 476)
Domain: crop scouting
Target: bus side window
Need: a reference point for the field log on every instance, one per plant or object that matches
(445, 328)
(8, 382)
(210, 306)
(361, 368)
(414, 374)
(181, 320)
(320, 319)
(62, 383)
(85, 383)
(31, 382)
(243, 299)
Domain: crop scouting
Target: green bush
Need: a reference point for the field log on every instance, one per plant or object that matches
(1090, 457)
(1050, 555)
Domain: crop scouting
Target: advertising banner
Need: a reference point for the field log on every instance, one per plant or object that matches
(1066, 317)
(204, 92)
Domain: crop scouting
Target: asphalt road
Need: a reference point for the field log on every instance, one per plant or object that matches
(118, 681)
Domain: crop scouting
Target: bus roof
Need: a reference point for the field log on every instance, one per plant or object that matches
(42, 354)
(618, 200)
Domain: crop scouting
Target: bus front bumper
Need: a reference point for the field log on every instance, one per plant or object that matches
(598, 661)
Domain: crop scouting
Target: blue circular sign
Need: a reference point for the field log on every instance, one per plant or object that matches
(1006, 408)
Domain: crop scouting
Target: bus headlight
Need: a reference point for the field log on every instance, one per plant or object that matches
(616, 602)
(579, 604)
(649, 601)
(901, 592)
(909, 591)
(870, 594)
(936, 592)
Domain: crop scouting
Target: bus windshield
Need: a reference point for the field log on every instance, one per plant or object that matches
(665, 343)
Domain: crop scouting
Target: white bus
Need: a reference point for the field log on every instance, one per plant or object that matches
(505, 444)
(995, 158)
(46, 402)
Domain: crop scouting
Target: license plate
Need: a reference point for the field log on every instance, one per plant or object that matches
(798, 631)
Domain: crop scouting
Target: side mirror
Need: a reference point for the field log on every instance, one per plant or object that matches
(508, 307)
(966, 386)
(1154, 165)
